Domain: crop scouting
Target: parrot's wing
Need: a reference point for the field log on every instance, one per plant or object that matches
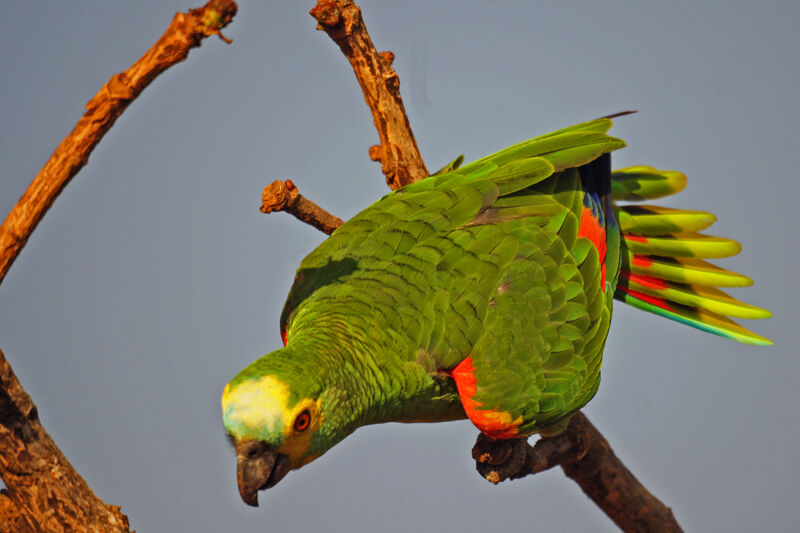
(377, 237)
(538, 359)
(404, 218)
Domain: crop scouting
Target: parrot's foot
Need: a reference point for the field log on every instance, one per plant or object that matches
(498, 460)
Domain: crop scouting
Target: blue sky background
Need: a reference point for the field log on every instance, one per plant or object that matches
(154, 278)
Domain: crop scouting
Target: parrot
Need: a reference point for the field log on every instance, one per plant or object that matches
(483, 291)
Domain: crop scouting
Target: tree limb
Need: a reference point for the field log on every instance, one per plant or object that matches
(185, 32)
(398, 153)
(284, 196)
(586, 457)
(44, 493)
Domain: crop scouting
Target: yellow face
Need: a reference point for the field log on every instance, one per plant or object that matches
(259, 409)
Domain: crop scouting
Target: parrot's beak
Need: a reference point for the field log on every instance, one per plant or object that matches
(258, 468)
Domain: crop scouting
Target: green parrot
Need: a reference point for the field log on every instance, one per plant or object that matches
(481, 292)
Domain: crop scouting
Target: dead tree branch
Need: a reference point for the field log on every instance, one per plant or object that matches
(44, 493)
(284, 196)
(398, 153)
(186, 31)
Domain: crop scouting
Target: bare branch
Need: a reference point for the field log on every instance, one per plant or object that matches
(185, 32)
(398, 153)
(586, 457)
(284, 196)
(44, 493)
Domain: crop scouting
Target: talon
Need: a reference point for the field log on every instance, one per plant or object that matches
(498, 460)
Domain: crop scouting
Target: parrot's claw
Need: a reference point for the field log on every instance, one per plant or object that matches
(498, 460)
(501, 459)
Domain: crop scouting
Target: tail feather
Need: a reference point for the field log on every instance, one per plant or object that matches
(685, 270)
(663, 269)
(700, 319)
(707, 298)
(654, 220)
(682, 245)
(634, 184)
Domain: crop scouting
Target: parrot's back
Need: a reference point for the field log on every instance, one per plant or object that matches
(496, 280)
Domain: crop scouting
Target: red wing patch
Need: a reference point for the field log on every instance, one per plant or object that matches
(591, 229)
(495, 424)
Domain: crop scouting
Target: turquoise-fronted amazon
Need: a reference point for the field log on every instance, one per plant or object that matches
(484, 291)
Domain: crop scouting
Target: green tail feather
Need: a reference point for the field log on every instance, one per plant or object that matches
(654, 220)
(634, 184)
(685, 270)
(698, 296)
(703, 320)
(663, 270)
(683, 245)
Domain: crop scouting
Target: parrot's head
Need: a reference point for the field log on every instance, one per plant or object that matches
(274, 412)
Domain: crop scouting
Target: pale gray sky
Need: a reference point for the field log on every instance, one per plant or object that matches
(155, 278)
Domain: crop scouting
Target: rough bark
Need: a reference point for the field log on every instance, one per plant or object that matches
(185, 32)
(284, 196)
(397, 153)
(587, 458)
(44, 493)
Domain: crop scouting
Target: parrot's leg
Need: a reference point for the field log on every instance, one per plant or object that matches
(498, 460)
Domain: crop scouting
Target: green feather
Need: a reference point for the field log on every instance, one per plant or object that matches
(684, 245)
(700, 297)
(451, 166)
(654, 220)
(701, 319)
(684, 270)
(520, 174)
(645, 183)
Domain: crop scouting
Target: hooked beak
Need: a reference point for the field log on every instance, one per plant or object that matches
(258, 468)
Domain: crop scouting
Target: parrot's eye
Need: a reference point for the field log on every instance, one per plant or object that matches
(302, 421)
